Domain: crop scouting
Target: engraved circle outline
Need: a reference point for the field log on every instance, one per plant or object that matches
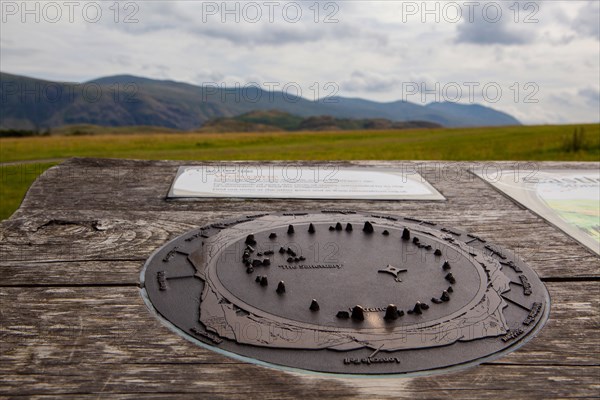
(211, 270)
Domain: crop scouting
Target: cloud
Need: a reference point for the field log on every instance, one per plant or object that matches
(19, 52)
(123, 60)
(490, 24)
(259, 25)
(360, 81)
(591, 96)
(204, 76)
(587, 21)
(483, 33)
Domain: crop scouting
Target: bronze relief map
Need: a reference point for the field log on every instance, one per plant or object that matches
(338, 291)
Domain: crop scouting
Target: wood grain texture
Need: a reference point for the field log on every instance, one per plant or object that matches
(73, 323)
(114, 325)
(55, 237)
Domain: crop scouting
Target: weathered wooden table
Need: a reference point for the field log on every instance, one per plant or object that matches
(74, 324)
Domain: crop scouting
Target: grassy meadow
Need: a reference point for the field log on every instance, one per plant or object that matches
(536, 143)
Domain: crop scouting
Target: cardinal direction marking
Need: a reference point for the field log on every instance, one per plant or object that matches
(515, 303)
(373, 354)
(390, 269)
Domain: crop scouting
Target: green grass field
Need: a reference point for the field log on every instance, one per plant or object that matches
(537, 143)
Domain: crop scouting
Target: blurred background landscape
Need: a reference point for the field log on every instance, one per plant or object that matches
(295, 80)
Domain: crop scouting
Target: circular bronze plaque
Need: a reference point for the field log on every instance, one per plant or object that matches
(345, 292)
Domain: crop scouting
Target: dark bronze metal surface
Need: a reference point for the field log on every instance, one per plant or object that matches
(398, 296)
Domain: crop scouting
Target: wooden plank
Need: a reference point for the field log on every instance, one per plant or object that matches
(254, 382)
(62, 239)
(70, 273)
(58, 221)
(68, 325)
(142, 185)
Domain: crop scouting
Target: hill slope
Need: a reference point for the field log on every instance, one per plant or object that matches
(273, 120)
(124, 100)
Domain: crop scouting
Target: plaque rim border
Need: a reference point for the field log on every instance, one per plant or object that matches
(544, 318)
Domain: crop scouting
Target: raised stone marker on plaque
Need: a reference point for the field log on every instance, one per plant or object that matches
(343, 292)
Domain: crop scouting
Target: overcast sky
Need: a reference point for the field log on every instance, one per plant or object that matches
(543, 56)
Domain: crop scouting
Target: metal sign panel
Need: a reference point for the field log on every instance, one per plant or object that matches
(343, 292)
(566, 198)
(297, 182)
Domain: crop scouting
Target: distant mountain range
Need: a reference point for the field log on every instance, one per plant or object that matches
(123, 100)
